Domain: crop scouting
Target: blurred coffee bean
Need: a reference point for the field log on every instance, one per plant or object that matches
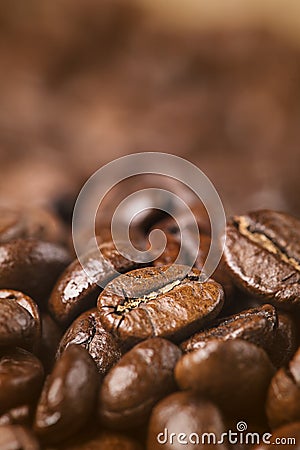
(15, 437)
(31, 266)
(262, 251)
(180, 421)
(143, 376)
(283, 401)
(19, 320)
(50, 338)
(68, 397)
(158, 302)
(235, 374)
(31, 222)
(21, 378)
(76, 291)
(88, 332)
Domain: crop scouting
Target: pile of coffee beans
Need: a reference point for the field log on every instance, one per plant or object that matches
(157, 358)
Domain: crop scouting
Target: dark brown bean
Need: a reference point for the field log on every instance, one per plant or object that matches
(263, 253)
(50, 338)
(159, 301)
(178, 421)
(256, 325)
(235, 374)
(15, 437)
(32, 267)
(283, 401)
(105, 440)
(88, 332)
(19, 320)
(143, 376)
(21, 377)
(68, 397)
(76, 291)
(20, 415)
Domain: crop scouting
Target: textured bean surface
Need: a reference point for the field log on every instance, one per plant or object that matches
(162, 301)
(88, 332)
(263, 252)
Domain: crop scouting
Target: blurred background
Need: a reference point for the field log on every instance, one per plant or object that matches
(83, 82)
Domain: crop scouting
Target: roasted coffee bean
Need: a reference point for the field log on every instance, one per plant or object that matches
(256, 325)
(180, 421)
(21, 378)
(106, 440)
(159, 301)
(283, 401)
(76, 292)
(68, 397)
(88, 332)
(263, 252)
(15, 437)
(287, 436)
(235, 374)
(31, 266)
(19, 320)
(31, 222)
(21, 415)
(50, 339)
(143, 376)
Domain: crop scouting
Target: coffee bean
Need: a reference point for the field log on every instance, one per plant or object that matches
(19, 320)
(68, 397)
(179, 420)
(88, 332)
(160, 301)
(31, 266)
(105, 440)
(76, 291)
(31, 222)
(263, 252)
(21, 377)
(256, 325)
(15, 437)
(235, 374)
(283, 401)
(143, 376)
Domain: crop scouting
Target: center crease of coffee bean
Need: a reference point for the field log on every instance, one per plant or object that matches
(264, 241)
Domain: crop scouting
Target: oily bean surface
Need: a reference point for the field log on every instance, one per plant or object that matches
(143, 376)
(50, 338)
(167, 301)
(76, 291)
(31, 266)
(68, 397)
(21, 377)
(183, 413)
(262, 251)
(283, 401)
(88, 332)
(222, 369)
